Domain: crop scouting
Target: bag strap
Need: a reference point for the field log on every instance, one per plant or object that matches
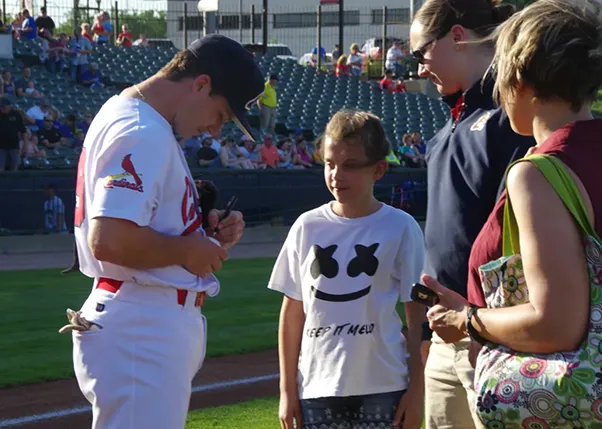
(564, 185)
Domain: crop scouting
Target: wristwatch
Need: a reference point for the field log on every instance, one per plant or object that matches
(472, 332)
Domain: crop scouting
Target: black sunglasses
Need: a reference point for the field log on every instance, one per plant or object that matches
(418, 54)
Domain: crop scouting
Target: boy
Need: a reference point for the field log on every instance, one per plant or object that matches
(342, 270)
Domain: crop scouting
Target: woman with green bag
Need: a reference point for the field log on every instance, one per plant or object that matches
(534, 312)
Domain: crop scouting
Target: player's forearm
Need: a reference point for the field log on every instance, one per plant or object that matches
(124, 243)
(415, 316)
(290, 333)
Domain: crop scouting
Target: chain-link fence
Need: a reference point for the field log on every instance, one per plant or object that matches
(288, 29)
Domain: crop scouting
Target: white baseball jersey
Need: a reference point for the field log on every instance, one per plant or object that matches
(350, 274)
(132, 168)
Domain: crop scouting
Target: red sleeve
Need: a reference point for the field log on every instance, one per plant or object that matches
(487, 247)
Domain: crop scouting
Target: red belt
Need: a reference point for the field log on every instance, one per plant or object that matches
(113, 286)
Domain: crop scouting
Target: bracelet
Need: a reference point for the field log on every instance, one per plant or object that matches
(472, 332)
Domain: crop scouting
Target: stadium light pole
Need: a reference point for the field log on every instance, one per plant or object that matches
(265, 26)
(240, 14)
(341, 24)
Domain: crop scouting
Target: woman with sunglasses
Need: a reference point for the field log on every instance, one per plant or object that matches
(466, 161)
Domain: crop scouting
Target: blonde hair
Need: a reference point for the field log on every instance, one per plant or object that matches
(356, 126)
(342, 59)
(354, 46)
(552, 47)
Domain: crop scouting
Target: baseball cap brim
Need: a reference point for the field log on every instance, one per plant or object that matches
(241, 121)
(225, 60)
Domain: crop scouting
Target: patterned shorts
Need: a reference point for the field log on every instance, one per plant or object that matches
(352, 412)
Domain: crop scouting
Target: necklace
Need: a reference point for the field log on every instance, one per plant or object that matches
(139, 92)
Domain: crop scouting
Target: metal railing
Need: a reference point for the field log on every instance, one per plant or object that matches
(264, 196)
(290, 29)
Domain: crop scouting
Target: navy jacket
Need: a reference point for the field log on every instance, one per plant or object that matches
(466, 164)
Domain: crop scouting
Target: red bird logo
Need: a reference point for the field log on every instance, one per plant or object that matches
(128, 167)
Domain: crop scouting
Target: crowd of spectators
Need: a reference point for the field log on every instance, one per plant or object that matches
(397, 60)
(39, 132)
(42, 131)
(284, 152)
(71, 53)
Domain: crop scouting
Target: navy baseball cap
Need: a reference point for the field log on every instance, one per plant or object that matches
(234, 74)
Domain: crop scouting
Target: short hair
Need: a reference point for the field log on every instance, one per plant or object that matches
(184, 65)
(356, 126)
(552, 47)
(480, 16)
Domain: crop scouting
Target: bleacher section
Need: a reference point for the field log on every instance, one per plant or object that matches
(307, 97)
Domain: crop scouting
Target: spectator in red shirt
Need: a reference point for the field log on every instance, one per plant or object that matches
(87, 33)
(342, 69)
(388, 84)
(269, 152)
(125, 38)
(401, 87)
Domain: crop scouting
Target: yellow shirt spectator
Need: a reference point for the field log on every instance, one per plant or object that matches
(392, 158)
(269, 97)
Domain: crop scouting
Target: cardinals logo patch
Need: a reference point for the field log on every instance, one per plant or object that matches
(480, 124)
(123, 180)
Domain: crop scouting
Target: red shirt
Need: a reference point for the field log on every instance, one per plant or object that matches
(98, 28)
(126, 39)
(386, 84)
(88, 36)
(341, 69)
(269, 155)
(579, 146)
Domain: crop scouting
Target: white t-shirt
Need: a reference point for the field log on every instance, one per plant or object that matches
(36, 113)
(350, 274)
(133, 168)
(355, 60)
(52, 209)
(393, 56)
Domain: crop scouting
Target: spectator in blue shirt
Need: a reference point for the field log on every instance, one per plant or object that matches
(91, 76)
(28, 28)
(419, 143)
(466, 161)
(102, 28)
(85, 124)
(314, 56)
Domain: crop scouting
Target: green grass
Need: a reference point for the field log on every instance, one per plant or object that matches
(256, 414)
(242, 318)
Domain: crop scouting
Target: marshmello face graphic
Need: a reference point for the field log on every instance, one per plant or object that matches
(326, 265)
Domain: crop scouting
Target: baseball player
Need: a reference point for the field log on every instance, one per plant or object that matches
(140, 337)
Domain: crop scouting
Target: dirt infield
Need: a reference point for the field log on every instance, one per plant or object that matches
(22, 261)
(60, 404)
